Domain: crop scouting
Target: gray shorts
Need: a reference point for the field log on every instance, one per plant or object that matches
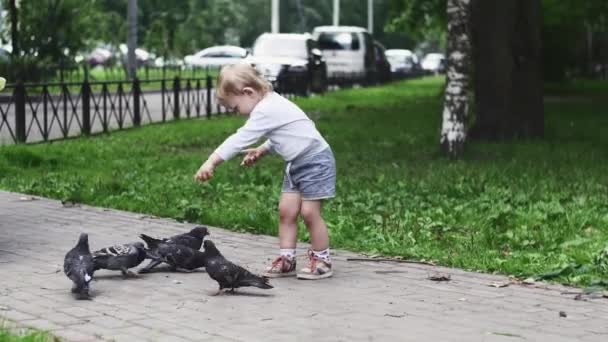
(314, 177)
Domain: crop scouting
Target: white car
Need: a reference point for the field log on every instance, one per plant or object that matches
(142, 56)
(348, 51)
(434, 63)
(403, 62)
(216, 56)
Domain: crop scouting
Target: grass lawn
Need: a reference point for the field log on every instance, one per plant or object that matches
(527, 208)
(7, 335)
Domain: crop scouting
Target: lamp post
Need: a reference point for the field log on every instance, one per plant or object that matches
(274, 25)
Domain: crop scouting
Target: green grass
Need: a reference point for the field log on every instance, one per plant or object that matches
(524, 208)
(578, 87)
(7, 335)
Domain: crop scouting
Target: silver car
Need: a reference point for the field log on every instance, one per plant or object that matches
(216, 56)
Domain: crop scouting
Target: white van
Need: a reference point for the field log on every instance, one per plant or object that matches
(348, 51)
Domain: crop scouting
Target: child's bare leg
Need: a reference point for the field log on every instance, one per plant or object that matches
(311, 214)
(319, 266)
(289, 209)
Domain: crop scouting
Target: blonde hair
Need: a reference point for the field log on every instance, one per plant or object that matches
(233, 78)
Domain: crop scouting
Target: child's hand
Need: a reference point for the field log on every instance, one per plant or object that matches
(204, 173)
(252, 155)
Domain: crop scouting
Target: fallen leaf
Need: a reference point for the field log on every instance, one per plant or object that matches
(27, 198)
(440, 277)
(563, 314)
(143, 217)
(499, 284)
(528, 281)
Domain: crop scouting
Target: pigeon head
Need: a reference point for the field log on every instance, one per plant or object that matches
(83, 243)
(210, 248)
(199, 232)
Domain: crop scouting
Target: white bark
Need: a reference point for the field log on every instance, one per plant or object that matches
(453, 128)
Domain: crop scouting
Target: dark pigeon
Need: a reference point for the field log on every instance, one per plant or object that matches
(193, 239)
(227, 274)
(79, 267)
(182, 257)
(120, 257)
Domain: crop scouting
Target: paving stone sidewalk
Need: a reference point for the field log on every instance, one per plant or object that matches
(364, 301)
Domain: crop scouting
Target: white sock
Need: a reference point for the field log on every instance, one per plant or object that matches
(323, 255)
(288, 252)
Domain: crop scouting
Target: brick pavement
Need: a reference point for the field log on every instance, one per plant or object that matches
(364, 301)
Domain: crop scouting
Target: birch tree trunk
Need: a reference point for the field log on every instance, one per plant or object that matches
(453, 129)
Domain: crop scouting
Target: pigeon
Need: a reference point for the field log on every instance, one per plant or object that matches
(227, 274)
(182, 257)
(192, 239)
(79, 267)
(120, 257)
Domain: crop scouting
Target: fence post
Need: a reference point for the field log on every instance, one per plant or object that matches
(163, 92)
(64, 92)
(45, 108)
(198, 98)
(86, 107)
(104, 91)
(136, 102)
(20, 112)
(209, 85)
(176, 98)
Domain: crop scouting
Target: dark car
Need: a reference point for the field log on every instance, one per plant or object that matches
(383, 67)
(291, 62)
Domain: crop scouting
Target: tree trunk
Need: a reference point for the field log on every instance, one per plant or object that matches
(453, 129)
(506, 56)
(14, 28)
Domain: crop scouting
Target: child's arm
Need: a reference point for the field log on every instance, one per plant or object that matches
(205, 172)
(253, 154)
(257, 125)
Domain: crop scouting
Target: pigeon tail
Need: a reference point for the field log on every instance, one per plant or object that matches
(150, 241)
(259, 282)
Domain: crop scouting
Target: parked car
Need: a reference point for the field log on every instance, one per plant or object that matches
(434, 63)
(404, 63)
(348, 50)
(142, 57)
(383, 67)
(216, 56)
(100, 56)
(170, 62)
(291, 62)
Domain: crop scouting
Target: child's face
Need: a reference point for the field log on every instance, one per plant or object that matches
(244, 102)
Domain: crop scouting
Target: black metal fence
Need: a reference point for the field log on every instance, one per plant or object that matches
(50, 111)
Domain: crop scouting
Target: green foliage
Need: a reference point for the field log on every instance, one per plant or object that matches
(56, 31)
(529, 208)
(425, 21)
(7, 335)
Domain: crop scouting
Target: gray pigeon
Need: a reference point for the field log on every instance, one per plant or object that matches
(79, 267)
(192, 239)
(120, 257)
(227, 274)
(182, 257)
